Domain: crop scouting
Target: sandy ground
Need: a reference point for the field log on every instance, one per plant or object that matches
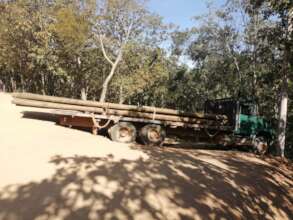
(51, 172)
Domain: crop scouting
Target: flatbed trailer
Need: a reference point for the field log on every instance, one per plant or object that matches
(224, 122)
(128, 123)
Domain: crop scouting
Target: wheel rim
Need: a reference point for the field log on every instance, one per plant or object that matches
(124, 134)
(261, 146)
(154, 135)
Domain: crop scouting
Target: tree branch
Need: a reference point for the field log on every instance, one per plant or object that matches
(129, 31)
(104, 51)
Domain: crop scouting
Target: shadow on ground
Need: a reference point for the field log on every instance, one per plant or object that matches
(43, 116)
(172, 184)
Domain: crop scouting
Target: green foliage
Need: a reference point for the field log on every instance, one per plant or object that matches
(50, 47)
(71, 28)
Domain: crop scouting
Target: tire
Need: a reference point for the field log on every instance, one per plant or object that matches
(260, 145)
(153, 135)
(123, 132)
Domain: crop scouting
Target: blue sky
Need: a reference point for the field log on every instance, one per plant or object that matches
(180, 12)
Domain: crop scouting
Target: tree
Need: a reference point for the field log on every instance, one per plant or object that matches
(214, 47)
(118, 23)
(279, 34)
(26, 49)
(73, 32)
(138, 73)
(50, 47)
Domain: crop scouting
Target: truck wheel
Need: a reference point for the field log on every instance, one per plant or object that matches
(152, 134)
(260, 145)
(123, 132)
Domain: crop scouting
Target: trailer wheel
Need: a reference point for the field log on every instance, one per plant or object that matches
(123, 132)
(152, 134)
(260, 145)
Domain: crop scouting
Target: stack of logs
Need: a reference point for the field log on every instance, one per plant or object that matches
(143, 112)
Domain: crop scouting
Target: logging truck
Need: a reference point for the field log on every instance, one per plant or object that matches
(225, 122)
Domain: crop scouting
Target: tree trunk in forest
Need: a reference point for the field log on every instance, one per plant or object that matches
(22, 83)
(109, 78)
(121, 96)
(2, 86)
(236, 63)
(43, 83)
(283, 110)
(254, 51)
(83, 94)
(282, 123)
(13, 84)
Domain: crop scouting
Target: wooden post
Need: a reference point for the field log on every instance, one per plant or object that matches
(133, 108)
(136, 114)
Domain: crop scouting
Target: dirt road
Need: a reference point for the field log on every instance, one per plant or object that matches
(51, 172)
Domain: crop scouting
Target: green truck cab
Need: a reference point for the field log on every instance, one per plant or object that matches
(249, 123)
(247, 126)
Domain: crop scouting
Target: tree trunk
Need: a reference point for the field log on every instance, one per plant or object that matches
(121, 96)
(22, 83)
(109, 77)
(282, 123)
(2, 87)
(142, 109)
(236, 63)
(43, 84)
(83, 94)
(109, 112)
(283, 110)
(254, 52)
(13, 84)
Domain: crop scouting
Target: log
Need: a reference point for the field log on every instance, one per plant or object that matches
(106, 105)
(51, 105)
